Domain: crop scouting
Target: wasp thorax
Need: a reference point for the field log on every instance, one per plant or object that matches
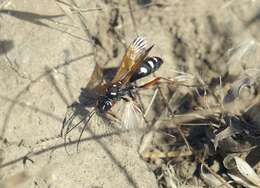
(113, 91)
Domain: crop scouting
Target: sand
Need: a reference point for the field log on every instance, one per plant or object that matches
(46, 58)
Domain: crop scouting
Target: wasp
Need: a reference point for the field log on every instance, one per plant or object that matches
(135, 65)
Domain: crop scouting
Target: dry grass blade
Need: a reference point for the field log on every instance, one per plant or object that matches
(166, 154)
(132, 16)
(74, 8)
(219, 179)
(211, 180)
(245, 172)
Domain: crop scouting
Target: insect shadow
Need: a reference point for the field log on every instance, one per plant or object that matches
(29, 16)
(5, 46)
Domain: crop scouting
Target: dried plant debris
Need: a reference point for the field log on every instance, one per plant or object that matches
(241, 172)
(189, 130)
(203, 124)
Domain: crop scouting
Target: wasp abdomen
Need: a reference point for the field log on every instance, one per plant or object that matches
(150, 65)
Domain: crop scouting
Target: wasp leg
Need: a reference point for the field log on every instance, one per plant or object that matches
(127, 90)
(125, 99)
(112, 117)
(130, 93)
(154, 81)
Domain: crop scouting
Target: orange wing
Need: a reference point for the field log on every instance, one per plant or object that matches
(132, 60)
(97, 84)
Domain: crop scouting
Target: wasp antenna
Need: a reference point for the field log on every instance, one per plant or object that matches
(89, 117)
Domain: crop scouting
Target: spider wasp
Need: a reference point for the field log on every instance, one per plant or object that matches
(135, 65)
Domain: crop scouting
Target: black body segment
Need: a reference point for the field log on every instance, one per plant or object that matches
(150, 65)
(113, 93)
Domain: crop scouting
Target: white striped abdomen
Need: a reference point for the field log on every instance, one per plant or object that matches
(150, 65)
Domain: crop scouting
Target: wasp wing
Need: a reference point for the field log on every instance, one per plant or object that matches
(96, 79)
(133, 58)
(96, 87)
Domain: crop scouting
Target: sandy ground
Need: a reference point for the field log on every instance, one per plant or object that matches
(46, 58)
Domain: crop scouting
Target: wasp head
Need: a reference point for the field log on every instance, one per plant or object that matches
(104, 104)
